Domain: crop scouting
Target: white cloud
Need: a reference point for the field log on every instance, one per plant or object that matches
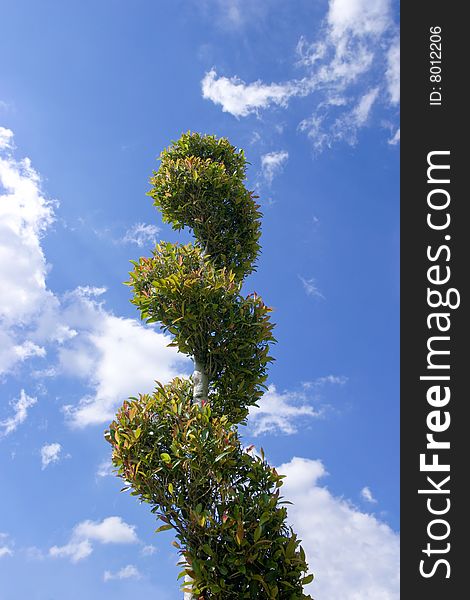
(28, 349)
(141, 234)
(76, 550)
(358, 17)
(105, 468)
(394, 140)
(50, 453)
(112, 530)
(25, 214)
(321, 381)
(6, 138)
(280, 412)
(148, 550)
(313, 125)
(364, 106)
(310, 53)
(20, 413)
(8, 357)
(353, 555)
(241, 99)
(283, 412)
(366, 495)
(325, 132)
(13, 351)
(128, 572)
(310, 287)
(393, 71)
(273, 163)
(5, 551)
(344, 61)
(88, 291)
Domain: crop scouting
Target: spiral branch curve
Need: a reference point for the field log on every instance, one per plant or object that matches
(179, 448)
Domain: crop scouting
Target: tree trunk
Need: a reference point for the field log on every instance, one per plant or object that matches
(201, 382)
(200, 392)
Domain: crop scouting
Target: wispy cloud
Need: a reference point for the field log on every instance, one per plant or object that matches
(112, 530)
(127, 572)
(5, 551)
(148, 550)
(6, 137)
(50, 453)
(20, 414)
(342, 544)
(5, 547)
(320, 382)
(351, 65)
(362, 110)
(310, 287)
(105, 468)
(233, 15)
(272, 164)
(393, 141)
(241, 99)
(141, 234)
(366, 495)
(75, 550)
(393, 71)
(281, 412)
(284, 412)
(344, 127)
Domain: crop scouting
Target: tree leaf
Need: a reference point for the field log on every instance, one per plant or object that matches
(163, 528)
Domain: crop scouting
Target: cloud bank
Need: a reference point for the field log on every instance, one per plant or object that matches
(353, 555)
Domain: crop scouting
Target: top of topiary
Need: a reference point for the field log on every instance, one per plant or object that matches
(200, 185)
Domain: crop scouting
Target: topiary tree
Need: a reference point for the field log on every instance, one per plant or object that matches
(179, 449)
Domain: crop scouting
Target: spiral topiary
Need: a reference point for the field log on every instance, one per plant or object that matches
(178, 449)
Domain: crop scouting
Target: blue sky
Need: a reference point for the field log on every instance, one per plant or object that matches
(90, 93)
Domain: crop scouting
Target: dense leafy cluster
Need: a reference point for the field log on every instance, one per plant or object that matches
(203, 308)
(200, 185)
(222, 501)
(180, 452)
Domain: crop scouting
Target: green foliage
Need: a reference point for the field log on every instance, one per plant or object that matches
(200, 185)
(185, 458)
(209, 318)
(222, 501)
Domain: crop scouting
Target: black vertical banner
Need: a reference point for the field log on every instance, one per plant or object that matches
(435, 252)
